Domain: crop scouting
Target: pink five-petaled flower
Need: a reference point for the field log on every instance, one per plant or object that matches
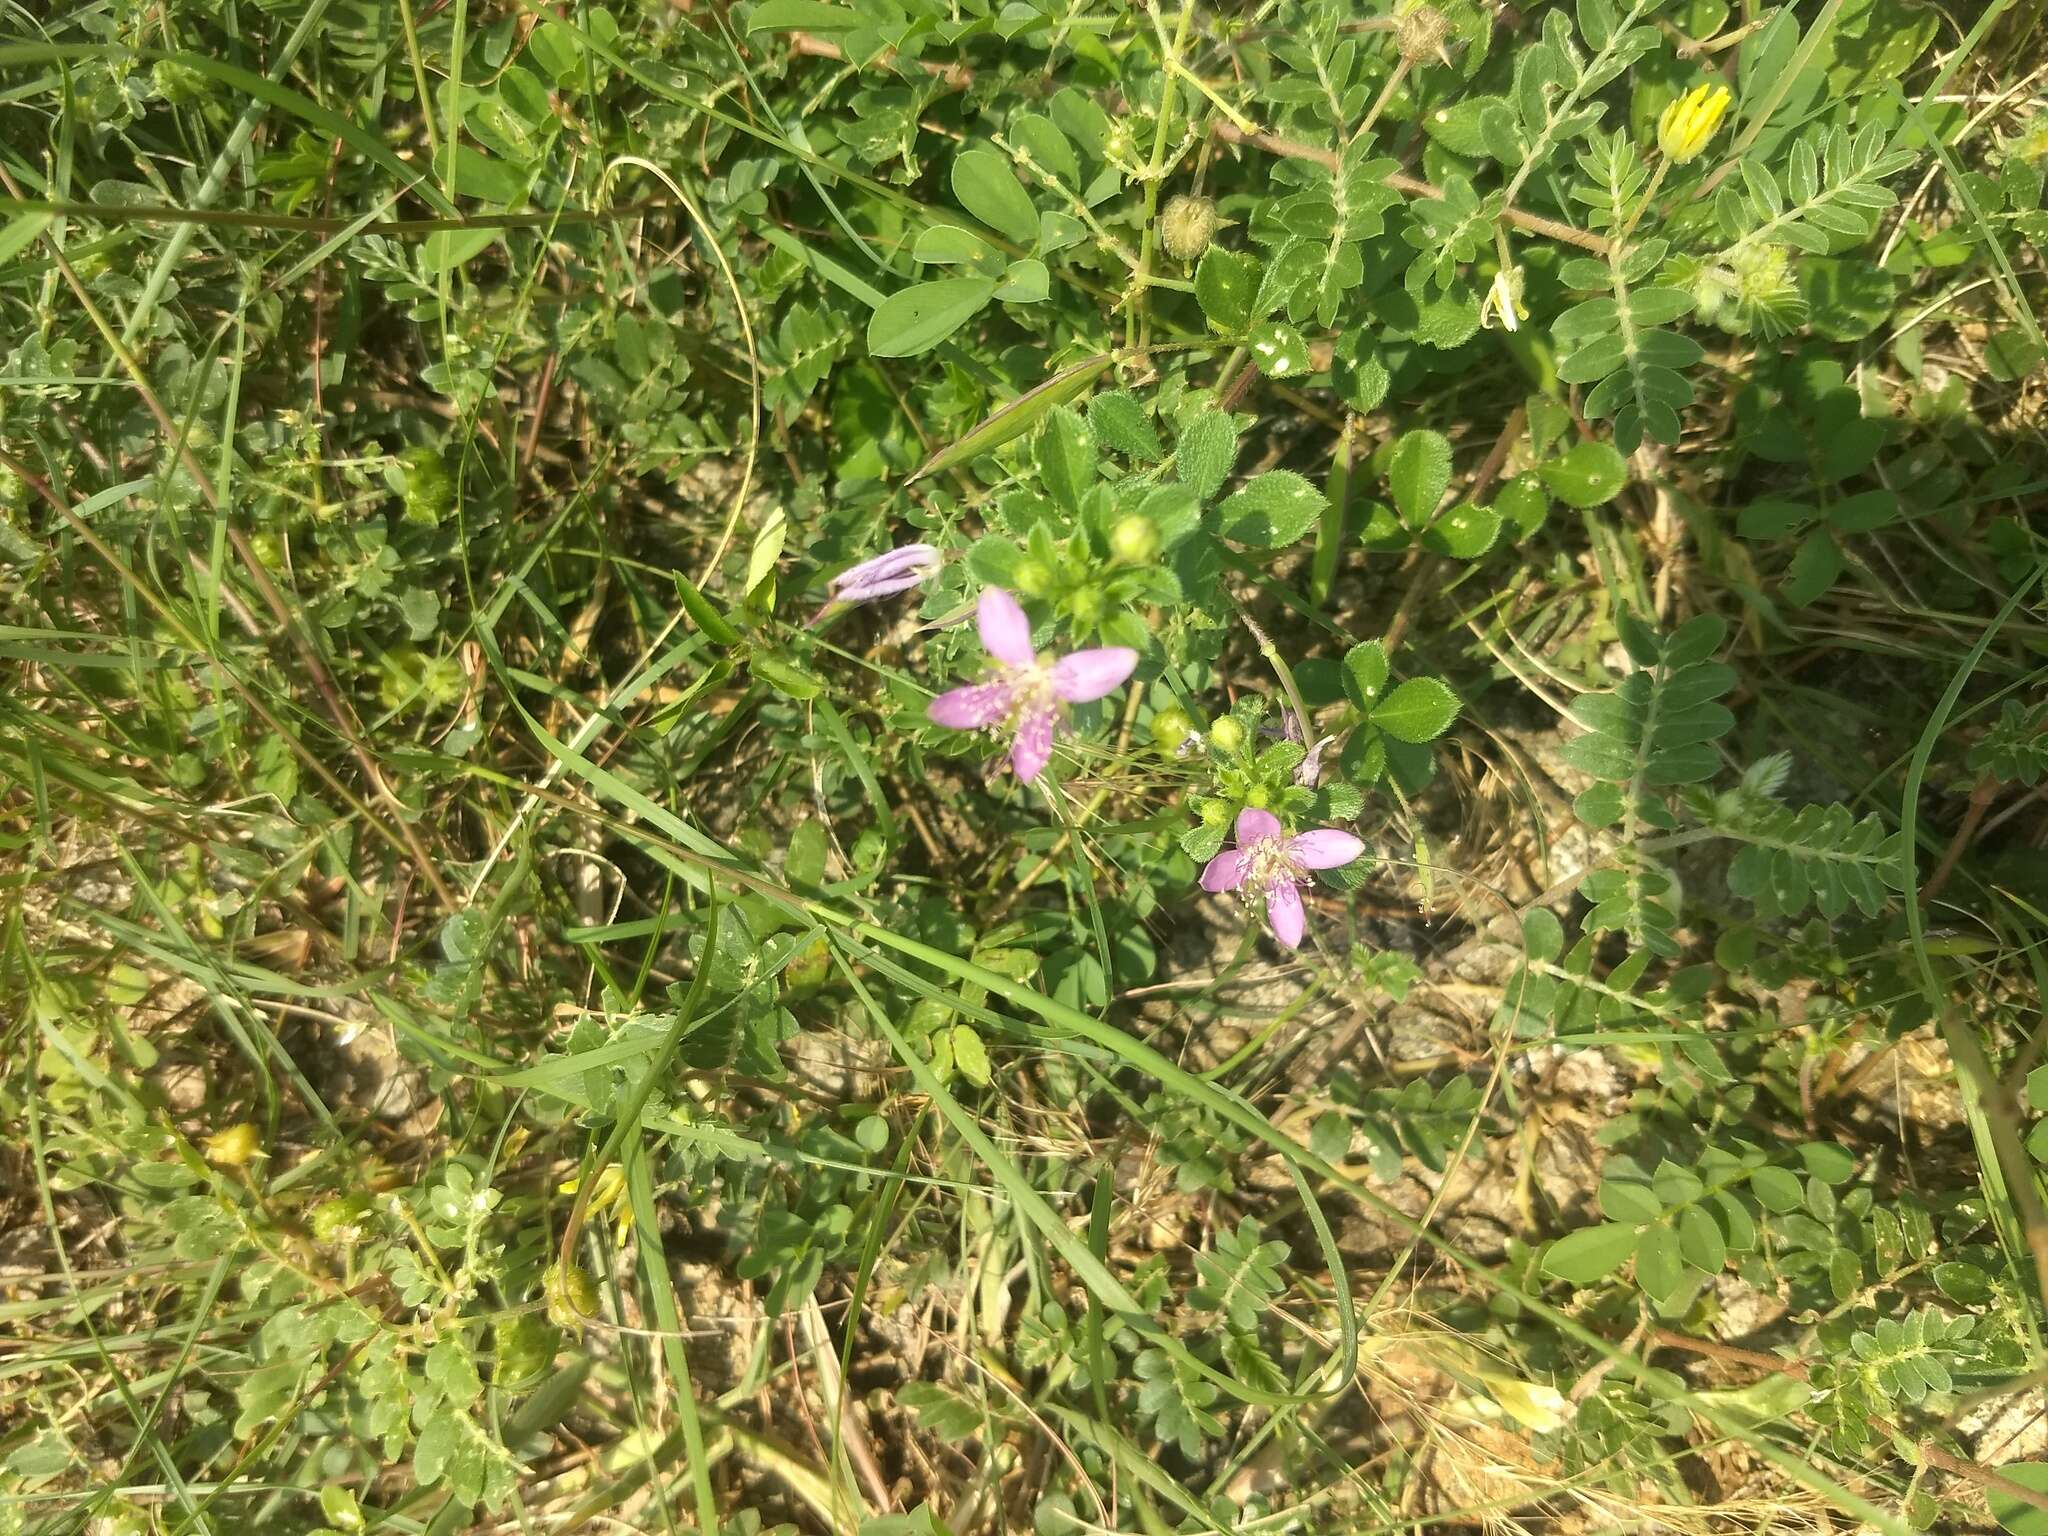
(1267, 863)
(1028, 694)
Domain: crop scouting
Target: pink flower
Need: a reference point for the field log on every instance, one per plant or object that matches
(1268, 863)
(1027, 694)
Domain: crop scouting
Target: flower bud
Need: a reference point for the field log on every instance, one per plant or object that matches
(1687, 124)
(234, 1147)
(1134, 539)
(1420, 34)
(1215, 813)
(1226, 735)
(1187, 226)
(1031, 578)
(1086, 604)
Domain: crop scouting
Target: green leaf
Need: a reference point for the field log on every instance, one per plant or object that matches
(2016, 1515)
(1278, 350)
(1464, 533)
(1660, 1269)
(1778, 1189)
(1420, 710)
(1700, 1240)
(1025, 282)
(1121, 422)
(918, 318)
(1365, 673)
(948, 245)
(970, 1056)
(1205, 450)
(446, 249)
(1542, 934)
(1225, 283)
(1589, 476)
(1591, 1253)
(803, 16)
(989, 189)
(1419, 473)
(1066, 457)
(1275, 509)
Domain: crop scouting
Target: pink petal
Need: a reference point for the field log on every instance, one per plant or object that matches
(1254, 826)
(1004, 629)
(970, 708)
(1324, 848)
(1223, 873)
(1283, 911)
(1087, 675)
(1032, 749)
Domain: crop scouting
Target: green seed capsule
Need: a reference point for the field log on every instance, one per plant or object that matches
(1171, 727)
(526, 1347)
(339, 1222)
(1187, 226)
(1226, 735)
(1134, 540)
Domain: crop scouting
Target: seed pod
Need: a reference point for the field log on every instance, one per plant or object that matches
(1170, 727)
(1421, 33)
(1187, 227)
(571, 1295)
(526, 1348)
(339, 1221)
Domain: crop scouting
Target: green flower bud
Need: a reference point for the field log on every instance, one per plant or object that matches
(1031, 578)
(1226, 735)
(1134, 539)
(1259, 799)
(1087, 604)
(1215, 813)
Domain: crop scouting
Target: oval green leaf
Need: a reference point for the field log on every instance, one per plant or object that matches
(925, 314)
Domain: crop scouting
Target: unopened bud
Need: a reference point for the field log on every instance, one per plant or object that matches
(1226, 735)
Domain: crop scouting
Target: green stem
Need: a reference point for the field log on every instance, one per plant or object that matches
(1155, 172)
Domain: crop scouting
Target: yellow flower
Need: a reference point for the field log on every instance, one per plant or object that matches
(1503, 301)
(234, 1146)
(609, 1193)
(1687, 124)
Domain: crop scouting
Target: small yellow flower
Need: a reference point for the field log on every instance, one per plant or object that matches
(1503, 301)
(609, 1193)
(233, 1147)
(1687, 124)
